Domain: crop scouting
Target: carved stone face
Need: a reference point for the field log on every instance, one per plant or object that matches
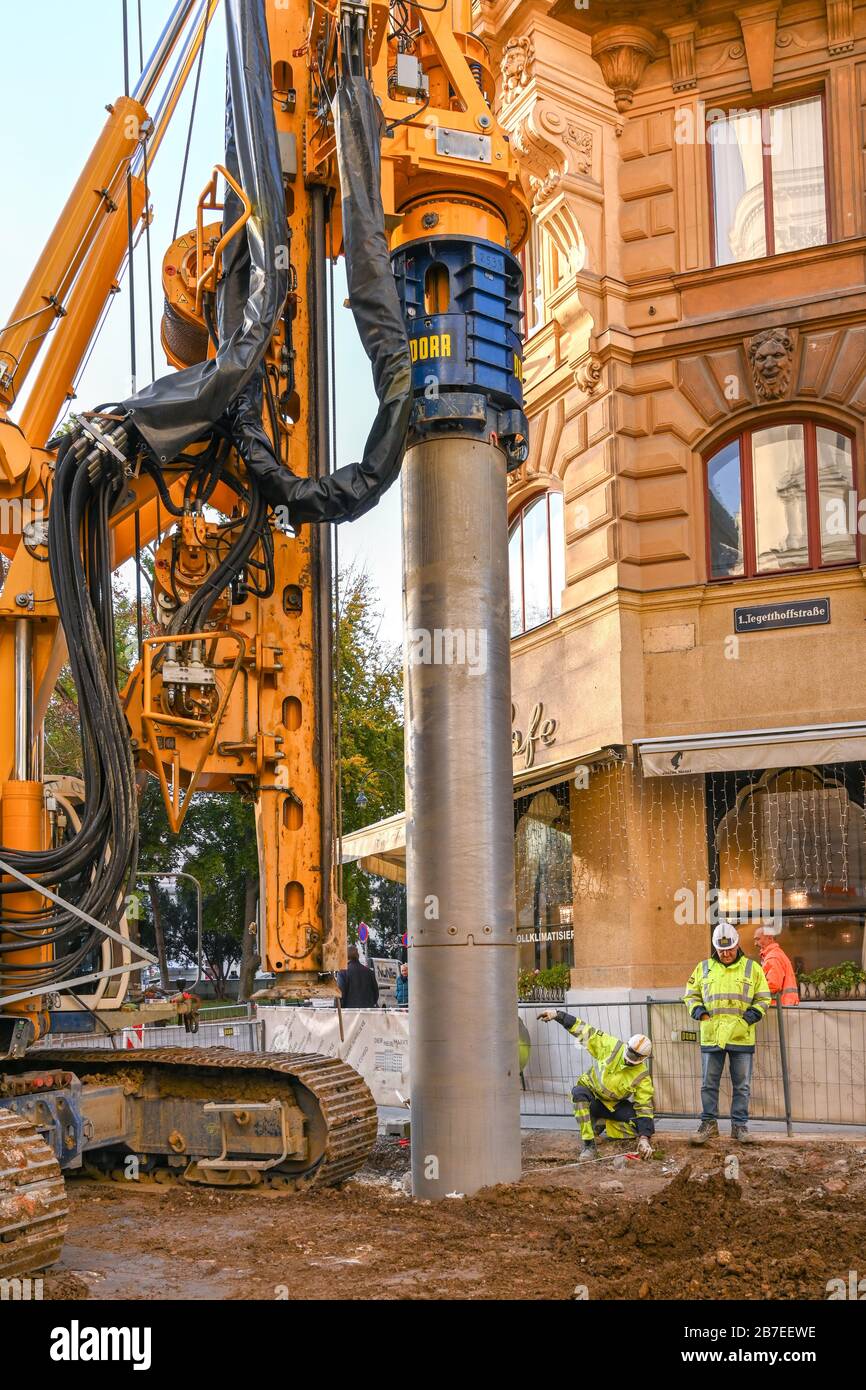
(771, 354)
(514, 62)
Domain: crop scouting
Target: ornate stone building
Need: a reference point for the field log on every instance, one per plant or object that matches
(689, 653)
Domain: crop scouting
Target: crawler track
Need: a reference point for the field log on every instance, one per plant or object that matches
(33, 1207)
(337, 1094)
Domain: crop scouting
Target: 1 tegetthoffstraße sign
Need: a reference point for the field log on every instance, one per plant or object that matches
(801, 612)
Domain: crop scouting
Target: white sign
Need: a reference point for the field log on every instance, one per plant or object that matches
(386, 975)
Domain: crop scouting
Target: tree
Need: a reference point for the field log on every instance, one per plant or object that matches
(217, 845)
(370, 707)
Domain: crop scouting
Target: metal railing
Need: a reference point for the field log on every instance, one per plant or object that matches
(240, 1034)
(810, 1062)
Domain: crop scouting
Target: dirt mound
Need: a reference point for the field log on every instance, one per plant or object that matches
(777, 1223)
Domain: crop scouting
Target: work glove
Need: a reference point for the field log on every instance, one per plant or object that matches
(699, 1015)
(752, 1016)
(644, 1147)
(548, 1015)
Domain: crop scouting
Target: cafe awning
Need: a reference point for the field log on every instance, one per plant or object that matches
(379, 849)
(752, 750)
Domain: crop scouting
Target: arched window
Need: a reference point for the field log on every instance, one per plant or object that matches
(781, 498)
(536, 557)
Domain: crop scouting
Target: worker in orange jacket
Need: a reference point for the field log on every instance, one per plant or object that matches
(777, 968)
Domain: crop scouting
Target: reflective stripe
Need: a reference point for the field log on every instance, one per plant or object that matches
(602, 1091)
(730, 994)
(706, 965)
(748, 971)
(727, 1013)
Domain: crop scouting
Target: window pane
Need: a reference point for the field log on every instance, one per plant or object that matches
(836, 500)
(779, 481)
(557, 549)
(738, 187)
(536, 564)
(515, 572)
(725, 494)
(797, 160)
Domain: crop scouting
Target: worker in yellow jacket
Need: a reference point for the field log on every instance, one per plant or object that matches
(617, 1090)
(728, 993)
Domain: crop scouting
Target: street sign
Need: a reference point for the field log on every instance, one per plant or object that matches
(363, 933)
(405, 938)
(762, 617)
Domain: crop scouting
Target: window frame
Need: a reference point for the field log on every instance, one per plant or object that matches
(763, 107)
(811, 424)
(518, 515)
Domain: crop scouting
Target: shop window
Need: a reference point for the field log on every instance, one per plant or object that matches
(536, 558)
(781, 498)
(790, 846)
(543, 878)
(768, 180)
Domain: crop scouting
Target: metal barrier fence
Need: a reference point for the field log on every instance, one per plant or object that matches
(810, 1062)
(240, 1035)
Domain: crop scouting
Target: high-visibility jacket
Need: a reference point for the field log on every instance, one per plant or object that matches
(780, 974)
(610, 1078)
(726, 993)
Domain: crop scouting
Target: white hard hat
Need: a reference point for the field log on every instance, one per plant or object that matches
(726, 936)
(639, 1045)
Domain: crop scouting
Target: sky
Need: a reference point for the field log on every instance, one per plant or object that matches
(61, 63)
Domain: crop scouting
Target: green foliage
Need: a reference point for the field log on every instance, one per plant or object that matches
(554, 977)
(370, 701)
(835, 981)
(217, 845)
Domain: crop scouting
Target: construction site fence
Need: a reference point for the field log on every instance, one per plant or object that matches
(242, 1034)
(809, 1068)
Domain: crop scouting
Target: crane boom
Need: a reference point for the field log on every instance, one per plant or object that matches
(225, 466)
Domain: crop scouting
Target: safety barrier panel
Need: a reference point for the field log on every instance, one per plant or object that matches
(810, 1062)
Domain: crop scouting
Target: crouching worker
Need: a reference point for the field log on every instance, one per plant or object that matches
(617, 1090)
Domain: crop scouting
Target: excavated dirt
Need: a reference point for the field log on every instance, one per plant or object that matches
(686, 1225)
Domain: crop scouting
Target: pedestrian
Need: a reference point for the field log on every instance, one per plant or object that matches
(616, 1091)
(777, 968)
(358, 987)
(728, 994)
(402, 987)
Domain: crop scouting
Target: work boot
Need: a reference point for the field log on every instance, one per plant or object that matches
(707, 1129)
(741, 1135)
(588, 1152)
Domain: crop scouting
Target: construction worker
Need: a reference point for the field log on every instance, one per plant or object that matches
(729, 994)
(616, 1092)
(777, 968)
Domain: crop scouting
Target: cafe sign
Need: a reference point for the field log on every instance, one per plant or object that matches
(539, 730)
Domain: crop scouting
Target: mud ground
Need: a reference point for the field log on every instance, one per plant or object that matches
(676, 1227)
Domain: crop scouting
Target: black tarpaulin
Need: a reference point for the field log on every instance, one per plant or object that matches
(350, 491)
(185, 406)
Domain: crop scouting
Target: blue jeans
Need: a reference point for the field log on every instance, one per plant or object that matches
(712, 1066)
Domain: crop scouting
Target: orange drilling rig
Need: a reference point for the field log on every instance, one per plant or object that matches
(355, 127)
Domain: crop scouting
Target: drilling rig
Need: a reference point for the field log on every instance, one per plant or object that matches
(355, 127)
